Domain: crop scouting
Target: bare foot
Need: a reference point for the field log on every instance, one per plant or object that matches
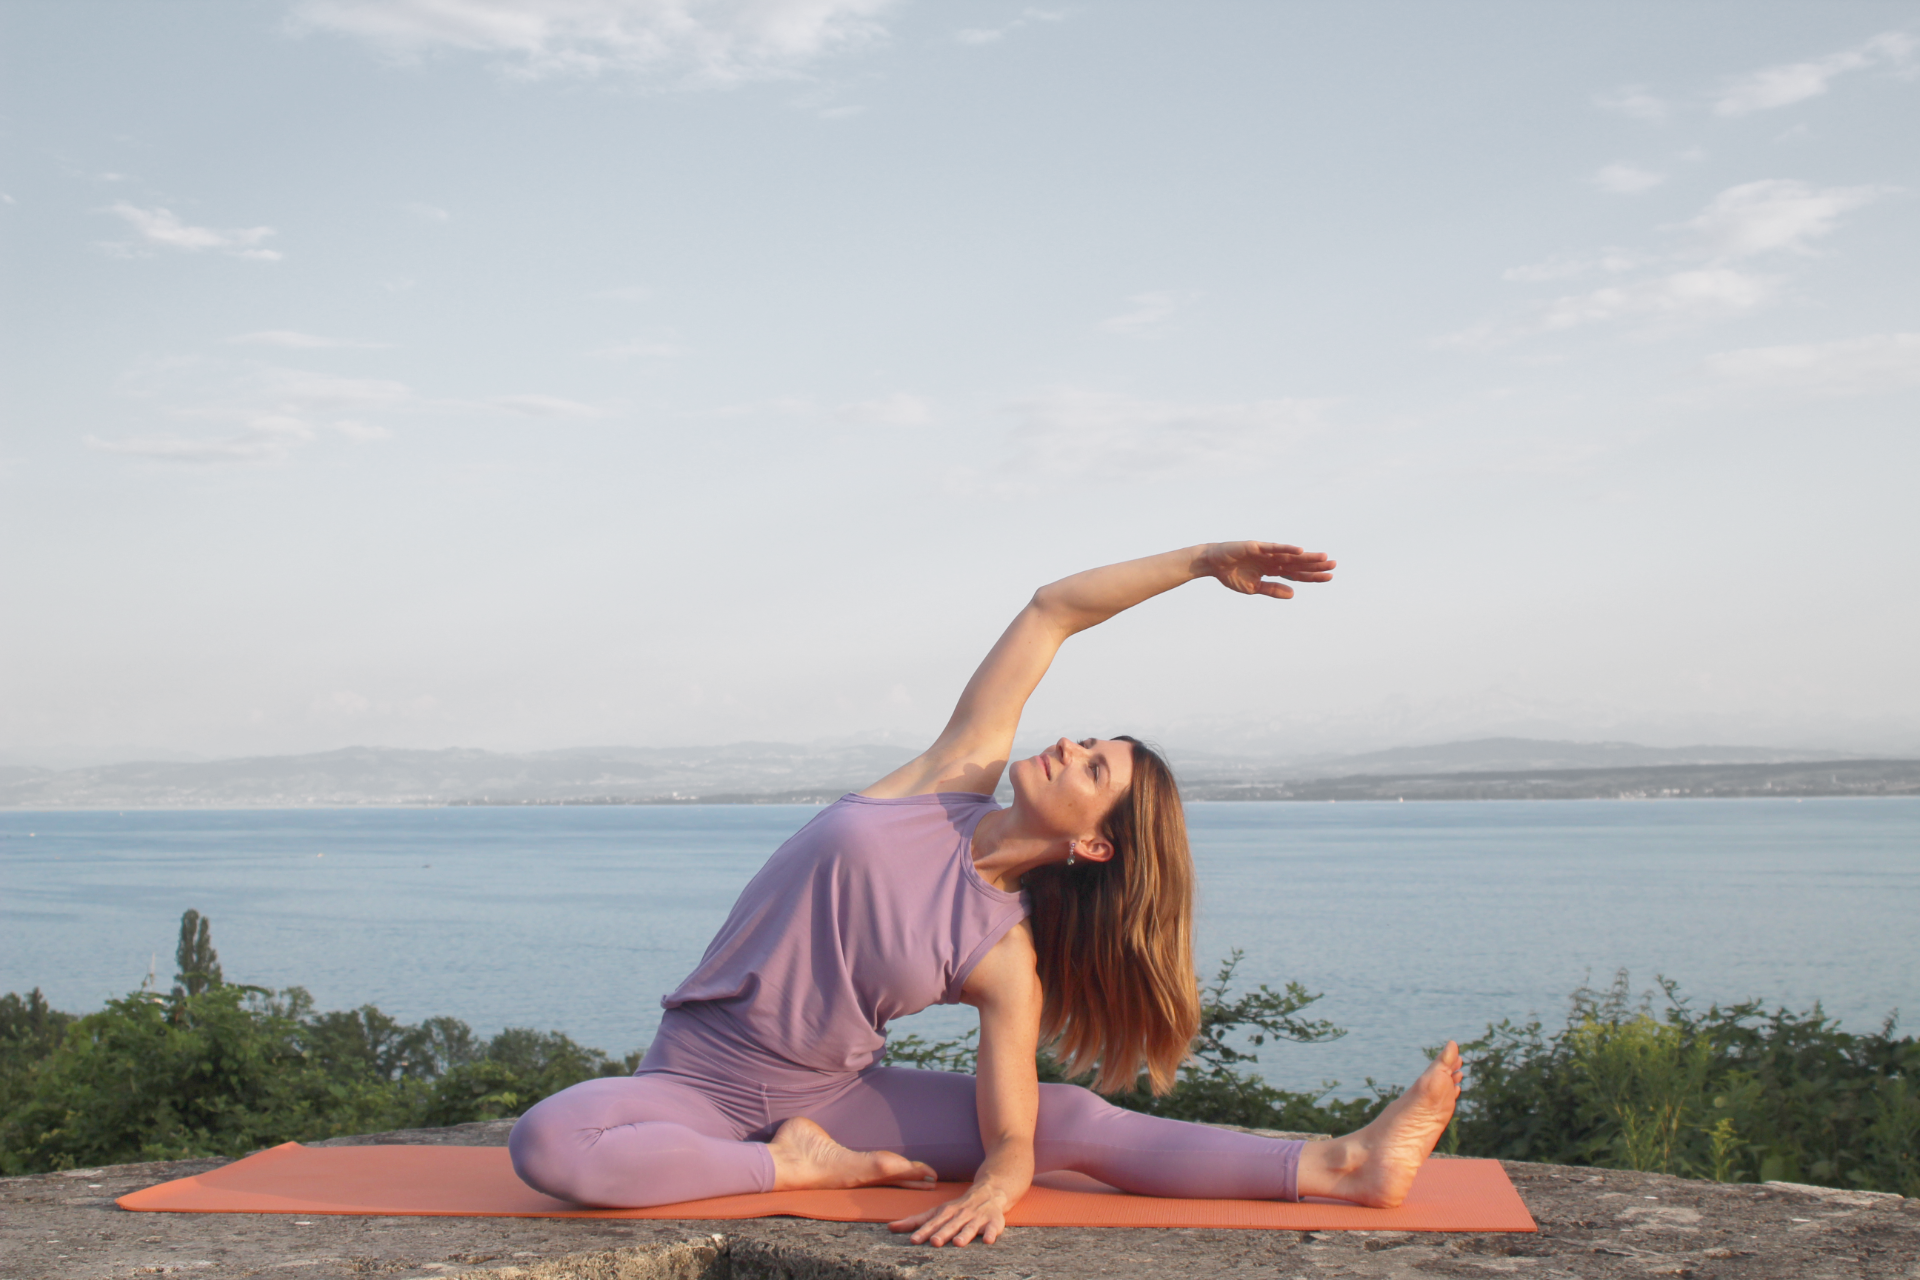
(806, 1159)
(1375, 1165)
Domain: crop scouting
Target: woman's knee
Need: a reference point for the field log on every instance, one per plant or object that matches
(549, 1143)
(545, 1146)
(1066, 1108)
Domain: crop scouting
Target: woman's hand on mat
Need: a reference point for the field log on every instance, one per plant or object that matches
(982, 1212)
(1244, 566)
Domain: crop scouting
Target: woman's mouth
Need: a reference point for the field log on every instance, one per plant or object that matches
(1046, 765)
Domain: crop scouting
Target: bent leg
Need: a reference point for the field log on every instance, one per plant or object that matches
(631, 1142)
(930, 1116)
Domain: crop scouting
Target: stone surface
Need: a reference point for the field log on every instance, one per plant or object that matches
(1594, 1225)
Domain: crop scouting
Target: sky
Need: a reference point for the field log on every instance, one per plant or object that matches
(524, 375)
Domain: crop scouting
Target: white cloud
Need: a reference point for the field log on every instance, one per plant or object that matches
(344, 703)
(640, 349)
(1773, 216)
(993, 35)
(1069, 432)
(427, 212)
(1626, 179)
(1698, 282)
(1793, 82)
(1634, 100)
(267, 413)
(266, 439)
(296, 341)
(256, 413)
(712, 43)
(1147, 311)
(1703, 293)
(897, 410)
(777, 407)
(160, 227)
(302, 392)
(1850, 366)
(1571, 266)
(537, 406)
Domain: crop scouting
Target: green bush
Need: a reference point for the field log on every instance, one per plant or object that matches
(1738, 1093)
(1214, 1086)
(29, 1030)
(214, 1068)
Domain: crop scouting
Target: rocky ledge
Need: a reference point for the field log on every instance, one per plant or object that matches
(1596, 1224)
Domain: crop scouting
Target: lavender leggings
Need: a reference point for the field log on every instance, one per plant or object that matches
(693, 1121)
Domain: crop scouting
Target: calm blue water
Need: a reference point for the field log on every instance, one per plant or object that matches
(1418, 921)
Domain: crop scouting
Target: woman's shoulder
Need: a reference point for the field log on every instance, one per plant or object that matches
(939, 770)
(961, 810)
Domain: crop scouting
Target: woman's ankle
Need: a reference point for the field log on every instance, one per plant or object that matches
(1327, 1164)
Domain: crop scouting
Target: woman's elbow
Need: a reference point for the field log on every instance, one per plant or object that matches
(1049, 608)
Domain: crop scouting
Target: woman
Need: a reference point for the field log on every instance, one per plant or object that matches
(1064, 919)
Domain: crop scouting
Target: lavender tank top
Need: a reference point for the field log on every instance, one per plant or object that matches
(870, 912)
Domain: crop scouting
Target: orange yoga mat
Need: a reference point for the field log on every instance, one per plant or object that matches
(1449, 1195)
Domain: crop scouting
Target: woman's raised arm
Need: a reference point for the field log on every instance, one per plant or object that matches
(971, 752)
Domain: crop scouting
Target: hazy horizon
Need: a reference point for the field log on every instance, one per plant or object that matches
(521, 376)
(1189, 754)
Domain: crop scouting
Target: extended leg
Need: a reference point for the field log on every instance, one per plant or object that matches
(631, 1142)
(1376, 1165)
(930, 1116)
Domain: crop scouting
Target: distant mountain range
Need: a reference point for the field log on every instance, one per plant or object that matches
(387, 776)
(1482, 755)
(764, 772)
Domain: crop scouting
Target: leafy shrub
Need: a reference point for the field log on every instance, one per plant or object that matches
(215, 1068)
(1739, 1093)
(1214, 1085)
(29, 1030)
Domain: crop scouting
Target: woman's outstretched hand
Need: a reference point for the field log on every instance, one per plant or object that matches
(981, 1212)
(1245, 566)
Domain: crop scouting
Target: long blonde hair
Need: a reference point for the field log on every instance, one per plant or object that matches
(1115, 942)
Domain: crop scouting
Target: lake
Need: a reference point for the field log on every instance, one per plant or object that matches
(1418, 921)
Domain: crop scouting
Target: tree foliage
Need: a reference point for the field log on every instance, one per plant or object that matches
(217, 1068)
(1215, 1084)
(1738, 1093)
(199, 962)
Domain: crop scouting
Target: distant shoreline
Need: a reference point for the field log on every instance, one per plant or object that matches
(773, 774)
(1795, 780)
(1792, 779)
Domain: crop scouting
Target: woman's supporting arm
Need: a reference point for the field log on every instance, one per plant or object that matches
(1006, 990)
(971, 752)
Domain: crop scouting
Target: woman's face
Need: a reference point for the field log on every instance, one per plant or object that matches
(1071, 786)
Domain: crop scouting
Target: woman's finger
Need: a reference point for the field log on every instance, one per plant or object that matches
(932, 1223)
(937, 1222)
(960, 1231)
(920, 1219)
